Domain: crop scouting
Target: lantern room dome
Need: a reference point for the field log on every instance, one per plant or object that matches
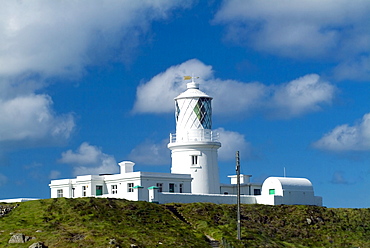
(192, 92)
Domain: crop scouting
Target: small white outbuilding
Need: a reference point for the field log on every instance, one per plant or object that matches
(289, 191)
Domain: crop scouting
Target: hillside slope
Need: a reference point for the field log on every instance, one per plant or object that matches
(92, 222)
(282, 226)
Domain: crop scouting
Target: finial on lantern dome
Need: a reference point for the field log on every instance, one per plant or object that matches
(192, 84)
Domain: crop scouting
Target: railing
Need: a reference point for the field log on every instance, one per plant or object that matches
(195, 135)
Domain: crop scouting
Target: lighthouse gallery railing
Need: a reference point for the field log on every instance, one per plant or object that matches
(195, 135)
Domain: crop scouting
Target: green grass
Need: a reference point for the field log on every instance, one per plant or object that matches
(92, 222)
(283, 226)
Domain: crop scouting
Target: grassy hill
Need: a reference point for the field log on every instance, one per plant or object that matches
(91, 222)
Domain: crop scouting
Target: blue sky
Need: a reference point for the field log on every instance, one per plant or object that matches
(87, 84)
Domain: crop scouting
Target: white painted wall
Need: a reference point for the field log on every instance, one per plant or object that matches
(245, 189)
(64, 184)
(289, 191)
(143, 179)
(212, 198)
(205, 174)
(243, 179)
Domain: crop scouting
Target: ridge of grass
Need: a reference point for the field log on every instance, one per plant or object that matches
(93, 222)
(282, 226)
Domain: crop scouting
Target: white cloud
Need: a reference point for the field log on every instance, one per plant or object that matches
(233, 97)
(44, 40)
(334, 29)
(232, 142)
(356, 69)
(307, 27)
(62, 37)
(89, 159)
(300, 96)
(156, 96)
(27, 119)
(305, 94)
(31, 117)
(151, 153)
(347, 138)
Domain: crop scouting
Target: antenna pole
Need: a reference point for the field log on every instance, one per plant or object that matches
(238, 193)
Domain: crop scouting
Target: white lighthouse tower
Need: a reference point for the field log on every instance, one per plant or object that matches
(194, 146)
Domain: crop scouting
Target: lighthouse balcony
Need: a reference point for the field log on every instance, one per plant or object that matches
(195, 135)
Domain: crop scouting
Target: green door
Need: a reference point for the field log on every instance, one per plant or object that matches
(99, 190)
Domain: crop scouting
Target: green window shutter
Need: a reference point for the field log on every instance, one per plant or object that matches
(272, 191)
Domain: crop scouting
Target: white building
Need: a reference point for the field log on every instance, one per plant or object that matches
(194, 173)
(128, 184)
(288, 191)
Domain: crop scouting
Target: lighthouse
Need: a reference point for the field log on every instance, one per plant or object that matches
(194, 146)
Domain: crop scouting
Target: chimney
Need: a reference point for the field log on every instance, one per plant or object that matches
(126, 166)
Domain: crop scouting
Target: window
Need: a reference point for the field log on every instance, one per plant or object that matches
(160, 187)
(203, 111)
(194, 159)
(114, 189)
(272, 191)
(99, 190)
(171, 187)
(73, 192)
(59, 193)
(84, 190)
(177, 111)
(130, 187)
(257, 191)
(180, 187)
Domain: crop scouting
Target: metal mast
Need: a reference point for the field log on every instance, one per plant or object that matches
(238, 193)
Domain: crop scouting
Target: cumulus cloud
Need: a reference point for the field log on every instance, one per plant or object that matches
(30, 117)
(232, 142)
(300, 29)
(355, 69)
(156, 96)
(41, 41)
(305, 94)
(88, 159)
(151, 153)
(58, 37)
(233, 97)
(347, 138)
(300, 96)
